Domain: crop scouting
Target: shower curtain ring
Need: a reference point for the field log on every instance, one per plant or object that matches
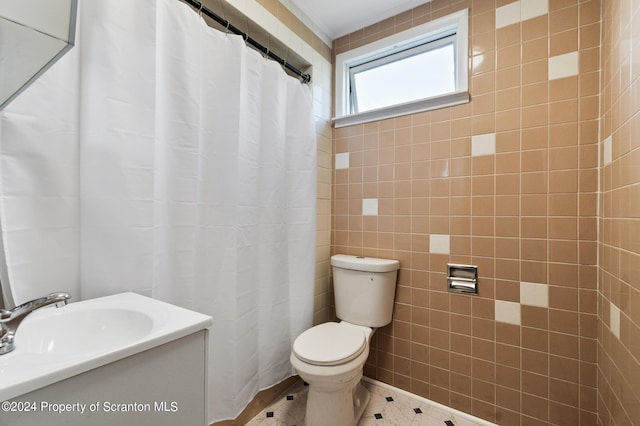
(200, 10)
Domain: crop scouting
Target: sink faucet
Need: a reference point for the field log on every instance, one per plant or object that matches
(10, 319)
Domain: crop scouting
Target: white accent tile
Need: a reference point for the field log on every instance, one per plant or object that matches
(508, 14)
(238, 4)
(607, 151)
(254, 11)
(439, 243)
(508, 312)
(614, 320)
(296, 42)
(562, 66)
(271, 24)
(342, 160)
(483, 144)
(534, 294)
(307, 52)
(519, 11)
(533, 8)
(370, 207)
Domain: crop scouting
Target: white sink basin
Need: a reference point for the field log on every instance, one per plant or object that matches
(59, 331)
(53, 344)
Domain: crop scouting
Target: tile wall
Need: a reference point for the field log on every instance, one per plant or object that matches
(619, 242)
(507, 182)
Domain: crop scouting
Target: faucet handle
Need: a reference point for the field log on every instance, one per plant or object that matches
(11, 319)
(62, 295)
(61, 298)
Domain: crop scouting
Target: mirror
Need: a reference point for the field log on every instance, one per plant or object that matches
(34, 34)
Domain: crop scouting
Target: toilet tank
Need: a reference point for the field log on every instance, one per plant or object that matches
(364, 289)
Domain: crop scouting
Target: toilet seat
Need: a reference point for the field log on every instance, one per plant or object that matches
(330, 344)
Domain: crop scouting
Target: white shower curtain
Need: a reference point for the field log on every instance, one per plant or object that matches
(176, 163)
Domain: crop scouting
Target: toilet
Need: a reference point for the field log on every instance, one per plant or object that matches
(330, 356)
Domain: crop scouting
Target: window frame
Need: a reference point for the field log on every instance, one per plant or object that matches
(444, 40)
(455, 25)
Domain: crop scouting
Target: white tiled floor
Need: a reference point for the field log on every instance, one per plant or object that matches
(386, 408)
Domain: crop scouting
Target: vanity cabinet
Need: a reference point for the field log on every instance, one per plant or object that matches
(164, 385)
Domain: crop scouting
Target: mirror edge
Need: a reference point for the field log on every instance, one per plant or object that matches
(73, 10)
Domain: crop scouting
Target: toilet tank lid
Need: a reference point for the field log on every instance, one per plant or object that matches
(368, 264)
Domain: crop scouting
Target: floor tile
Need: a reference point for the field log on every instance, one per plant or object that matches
(386, 408)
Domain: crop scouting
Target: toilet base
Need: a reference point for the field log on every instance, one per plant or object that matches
(361, 397)
(340, 407)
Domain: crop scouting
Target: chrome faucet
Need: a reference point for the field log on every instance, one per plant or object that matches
(10, 319)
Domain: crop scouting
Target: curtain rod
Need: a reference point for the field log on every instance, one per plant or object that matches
(201, 8)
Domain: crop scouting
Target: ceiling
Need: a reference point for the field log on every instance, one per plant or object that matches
(336, 18)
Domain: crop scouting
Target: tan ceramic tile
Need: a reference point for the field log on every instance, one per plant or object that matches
(535, 28)
(535, 72)
(535, 50)
(563, 89)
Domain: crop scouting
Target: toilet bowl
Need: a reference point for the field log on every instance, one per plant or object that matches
(330, 357)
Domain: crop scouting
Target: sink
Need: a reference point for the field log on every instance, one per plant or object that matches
(53, 344)
(54, 330)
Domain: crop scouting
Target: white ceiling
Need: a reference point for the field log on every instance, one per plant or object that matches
(336, 18)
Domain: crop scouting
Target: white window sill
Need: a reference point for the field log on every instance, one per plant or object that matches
(421, 105)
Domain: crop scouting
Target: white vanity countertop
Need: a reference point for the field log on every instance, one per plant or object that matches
(53, 344)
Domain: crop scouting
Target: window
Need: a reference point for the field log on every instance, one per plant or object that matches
(417, 70)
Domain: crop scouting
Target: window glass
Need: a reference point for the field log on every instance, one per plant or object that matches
(412, 76)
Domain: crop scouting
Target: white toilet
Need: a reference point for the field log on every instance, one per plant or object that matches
(330, 356)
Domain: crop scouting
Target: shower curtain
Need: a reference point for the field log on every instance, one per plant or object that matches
(166, 158)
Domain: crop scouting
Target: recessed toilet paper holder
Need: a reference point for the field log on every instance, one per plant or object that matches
(462, 278)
